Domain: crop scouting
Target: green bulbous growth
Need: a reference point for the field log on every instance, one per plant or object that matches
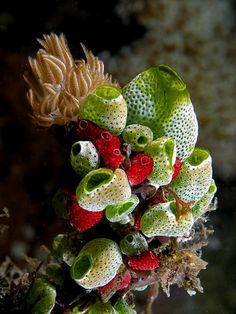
(133, 244)
(106, 108)
(161, 220)
(103, 187)
(97, 263)
(101, 308)
(84, 157)
(122, 307)
(194, 178)
(201, 207)
(64, 248)
(158, 98)
(41, 297)
(138, 136)
(59, 203)
(119, 211)
(163, 153)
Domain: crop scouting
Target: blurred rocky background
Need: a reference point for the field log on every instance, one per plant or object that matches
(197, 39)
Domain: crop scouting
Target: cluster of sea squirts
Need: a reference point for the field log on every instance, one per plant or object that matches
(138, 169)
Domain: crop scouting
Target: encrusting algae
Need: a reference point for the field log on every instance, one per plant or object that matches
(142, 189)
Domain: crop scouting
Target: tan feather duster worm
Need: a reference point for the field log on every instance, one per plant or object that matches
(58, 84)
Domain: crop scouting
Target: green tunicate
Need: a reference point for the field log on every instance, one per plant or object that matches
(103, 187)
(158, 98)
(203, 204)
(106, 108)
(84, 157)
(119, 211)
(59, 203)
(163, 153)
(101, 308)
(64, 248)
(133, 244)
(194, 178)
(122, 307)
(41, 297)
(97, 263)
(138, 136)
(160, 220)
(55, 273)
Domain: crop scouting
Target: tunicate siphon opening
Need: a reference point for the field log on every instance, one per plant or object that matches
(198, 156)
(76, 148)
(142, 140)
(107, 92)
(81, 266)
(129, 238)
(83, 124)
(171, 78)
(169, 149)
(124, 208)
(98, 179)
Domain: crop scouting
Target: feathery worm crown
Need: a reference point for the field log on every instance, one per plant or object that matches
(58, 84)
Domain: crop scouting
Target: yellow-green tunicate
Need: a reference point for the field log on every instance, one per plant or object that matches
(161, 220)
(138, 136)
(201, 207)
(119, 211)
(158, 98)
(106, 108)
(194, 178)
(163, 153)
(84, 157)
(103, 187)
(97, 263)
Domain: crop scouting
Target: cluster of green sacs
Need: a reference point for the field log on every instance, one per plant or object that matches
(159, 101)
(161, 123)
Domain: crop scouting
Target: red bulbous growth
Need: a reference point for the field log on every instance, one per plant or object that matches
(82, 219)
(117, 283)
(107, 145)
(140, 168)
(177, 167)
(147, 260)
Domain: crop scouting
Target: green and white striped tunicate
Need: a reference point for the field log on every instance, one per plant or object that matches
(138, 136)
(194, 178)
(161, 220)
(119, 211)
(103, 187)
(159, 99)
(84, 157)
(133, 244)
(97, 263)
(201, 207)
(163, 153)
(106, 108)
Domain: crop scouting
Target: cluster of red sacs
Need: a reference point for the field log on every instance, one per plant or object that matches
(137, 169)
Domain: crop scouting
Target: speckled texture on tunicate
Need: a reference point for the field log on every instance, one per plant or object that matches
(115, 191)
(163, 153)
(202, 205)
(193, 180)
(106, 108)
(138, 136)
(158, 98)
(160, 220)
(106, 259)
(84, 157)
